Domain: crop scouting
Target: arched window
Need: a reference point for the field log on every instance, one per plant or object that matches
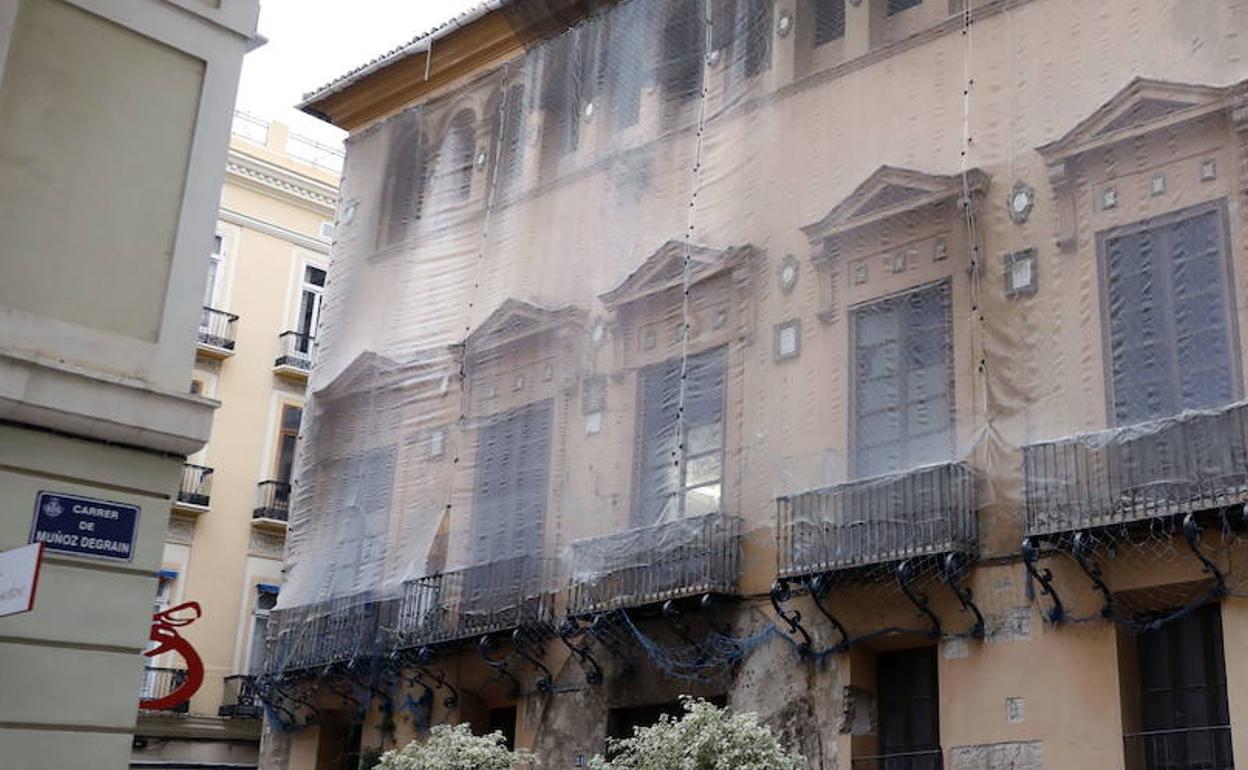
(406, 172)
(460, 147)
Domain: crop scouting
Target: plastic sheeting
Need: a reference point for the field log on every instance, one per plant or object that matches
(846, 283)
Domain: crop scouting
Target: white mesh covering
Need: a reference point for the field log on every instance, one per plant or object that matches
(681, 299)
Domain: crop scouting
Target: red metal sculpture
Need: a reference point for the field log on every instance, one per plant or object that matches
(164, 632)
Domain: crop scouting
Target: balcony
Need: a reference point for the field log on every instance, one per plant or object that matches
(159, 682)
(241, 699)
(294, 356)
(272, 505)
(216, 333)
(923, 512)
(194, 490)
(1195, 461)
(649, 565)
(473, 601)
(1184, 748)
(340, 630)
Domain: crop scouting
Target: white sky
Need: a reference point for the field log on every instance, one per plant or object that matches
(312, 42)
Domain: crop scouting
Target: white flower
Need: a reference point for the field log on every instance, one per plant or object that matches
(706, 737)
(455, 748)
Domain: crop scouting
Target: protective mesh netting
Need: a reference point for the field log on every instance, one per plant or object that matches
(699, 293)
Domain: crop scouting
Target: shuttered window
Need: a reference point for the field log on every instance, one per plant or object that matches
(897, 6)
(1184, 712)
(903, 381)
(512, 475)
(909, 709)
(829, 20)
(1170, 333)
(677, 481)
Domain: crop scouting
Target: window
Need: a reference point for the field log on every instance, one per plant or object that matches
(897, 6)
(829, 20)
(197, 387)
(164, 590)
(287, 437)
(1184, 716)
(681, 52)
(508, 130)
(310, 297)
(214, 270)
(513, 465)
(909, 709)
(503, 720)
(266, 600)
(903, 381)
(624, 68)
(741, 30)
(676, 482)
(461, 150)
(1170, 334)
(407, 169)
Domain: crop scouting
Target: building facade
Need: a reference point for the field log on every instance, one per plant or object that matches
(873, 366)
(114, 119)
(261, 303)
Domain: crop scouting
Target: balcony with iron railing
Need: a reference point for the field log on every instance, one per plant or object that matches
(473, 601)
(340, 630)
(216, 333)
(1184, 748)
(649, 565)
(294, 355)
(194, 489)
(160, 681)
(1192, 462)
(927, 511)
(241, 699)
(272, 504)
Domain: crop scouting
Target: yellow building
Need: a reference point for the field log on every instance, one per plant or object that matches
(114, 119)
(261, 302)
(871, 365)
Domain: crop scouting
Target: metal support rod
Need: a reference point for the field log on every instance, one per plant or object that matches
(819, 586)
(1082, 551)
(905, 577)
(1191, 532)
(954, 569)
(1031, 554)
(570, 629)
(498, 664)
(780, 593)
(520, 643)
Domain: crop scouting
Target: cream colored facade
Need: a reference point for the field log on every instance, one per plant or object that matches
(985, 159)
(227, 530)
(114, 119)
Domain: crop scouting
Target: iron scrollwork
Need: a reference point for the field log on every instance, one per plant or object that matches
(780, 593)
(955, 567)
(1031, 554)
(530, 649)
(569, 630)
(1191, 533)
(905, 579)
(819, 586)
(484, 647)
(1082, 551)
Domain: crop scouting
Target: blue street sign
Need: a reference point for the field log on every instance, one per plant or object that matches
(86, 527)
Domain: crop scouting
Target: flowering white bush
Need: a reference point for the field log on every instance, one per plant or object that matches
(454, 748)
(706, 737)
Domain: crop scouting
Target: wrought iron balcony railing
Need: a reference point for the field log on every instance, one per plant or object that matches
(159, 682)
(294, 350)
(339, 630)
(196, 485)
(1184, 748)
(647, 565)
(922, 512)
(216, 328)
(473, 601)
(1191, 462)
(241, 699)
(272, 501)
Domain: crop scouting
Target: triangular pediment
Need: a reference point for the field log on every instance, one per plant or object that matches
(891, 191)
(665, 269)
(1142, 106)
(360, 374)
(515, 320)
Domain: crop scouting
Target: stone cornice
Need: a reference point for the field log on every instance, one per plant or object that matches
(277, 231)
(272, 179)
